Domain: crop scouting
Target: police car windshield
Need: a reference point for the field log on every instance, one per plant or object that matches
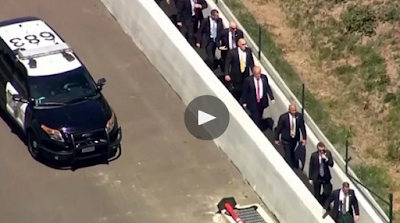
(62, 88)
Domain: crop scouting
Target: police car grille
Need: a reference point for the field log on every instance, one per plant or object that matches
(95, 138)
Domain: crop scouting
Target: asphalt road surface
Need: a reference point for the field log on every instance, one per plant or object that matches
(163, 175)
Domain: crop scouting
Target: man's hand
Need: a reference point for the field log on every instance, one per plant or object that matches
(179, 24)
(277, 142)
(168, 2)
(356, 218)
(304, 142)
(323, 211)
(198, 6)
(223, 48)
(272, 101)
(227, 78)
(198, 45)
(310, 181)
(244, 105)
(325, 157)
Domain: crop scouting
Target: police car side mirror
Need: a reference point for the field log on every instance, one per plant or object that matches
(100, 83)
(18, 98)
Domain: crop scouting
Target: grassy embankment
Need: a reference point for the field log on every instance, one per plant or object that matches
(355, 44)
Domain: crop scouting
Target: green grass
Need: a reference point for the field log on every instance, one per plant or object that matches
(372, 68)
(335, 134)
(378, 180)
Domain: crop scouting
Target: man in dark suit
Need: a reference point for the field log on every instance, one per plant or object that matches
(238, 65)
(190, 13)
(227, 40)
(319, 172)
(290, 125)
(255, 94)
(345, 204)
(210, 28)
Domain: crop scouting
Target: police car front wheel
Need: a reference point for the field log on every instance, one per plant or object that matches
(33, 147)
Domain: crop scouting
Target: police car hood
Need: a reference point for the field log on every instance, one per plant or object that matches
(83, 116)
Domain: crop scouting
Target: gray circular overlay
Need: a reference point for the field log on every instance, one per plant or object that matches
(206, 106)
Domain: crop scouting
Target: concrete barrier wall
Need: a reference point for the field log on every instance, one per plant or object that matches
(262, 166)
(370, 211)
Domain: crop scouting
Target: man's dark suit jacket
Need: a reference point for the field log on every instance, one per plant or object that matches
(223, 37)
(232, 65)
(249, 94)
(205, 29)
(283, 127)
(184, 8)
(353, 203)
(313, 171)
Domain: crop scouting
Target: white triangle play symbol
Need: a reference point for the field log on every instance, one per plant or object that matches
(203, 117)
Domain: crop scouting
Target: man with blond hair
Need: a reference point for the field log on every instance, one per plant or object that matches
(255, 94)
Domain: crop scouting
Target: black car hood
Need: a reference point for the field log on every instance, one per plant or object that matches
(87, 115)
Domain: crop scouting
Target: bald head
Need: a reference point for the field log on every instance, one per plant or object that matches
(232, 25)
(242, 44)
(292, 108)
(257, 72)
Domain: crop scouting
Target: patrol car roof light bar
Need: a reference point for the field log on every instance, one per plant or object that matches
(44, 51)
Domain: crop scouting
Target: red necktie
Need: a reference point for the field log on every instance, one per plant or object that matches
(258, 91)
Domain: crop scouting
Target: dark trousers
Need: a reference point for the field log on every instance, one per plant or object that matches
(321, 183)
(256, 113)
(189, 28)
(210, 52)
(344, 218)
(289, 146)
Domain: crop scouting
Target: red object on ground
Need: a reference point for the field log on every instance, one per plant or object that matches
(233, 213)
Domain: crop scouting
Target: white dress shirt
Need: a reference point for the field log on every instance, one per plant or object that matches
(230, 38)
(292, 120)
(341, 198)
(192, 2)
(213, 29)
(261, 86)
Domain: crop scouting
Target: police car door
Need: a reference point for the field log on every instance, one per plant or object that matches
(17, 86)
(4, 78)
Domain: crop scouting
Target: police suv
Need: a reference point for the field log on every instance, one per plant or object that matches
(51, 96)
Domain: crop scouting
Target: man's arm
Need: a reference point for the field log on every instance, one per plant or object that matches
(303, 128)
(279, 128)
(228, 62)
(180, 8)
(330, 159)
(199, 34)
(239, 34)
(220, 24)
(268, 89)
(356, 207)
(251, 62)
(203, 4)
(219, 37)
(311, 167)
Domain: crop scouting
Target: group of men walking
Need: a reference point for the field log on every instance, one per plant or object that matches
(251, 89)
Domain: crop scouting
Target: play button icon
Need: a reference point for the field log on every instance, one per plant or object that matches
(206, 117)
